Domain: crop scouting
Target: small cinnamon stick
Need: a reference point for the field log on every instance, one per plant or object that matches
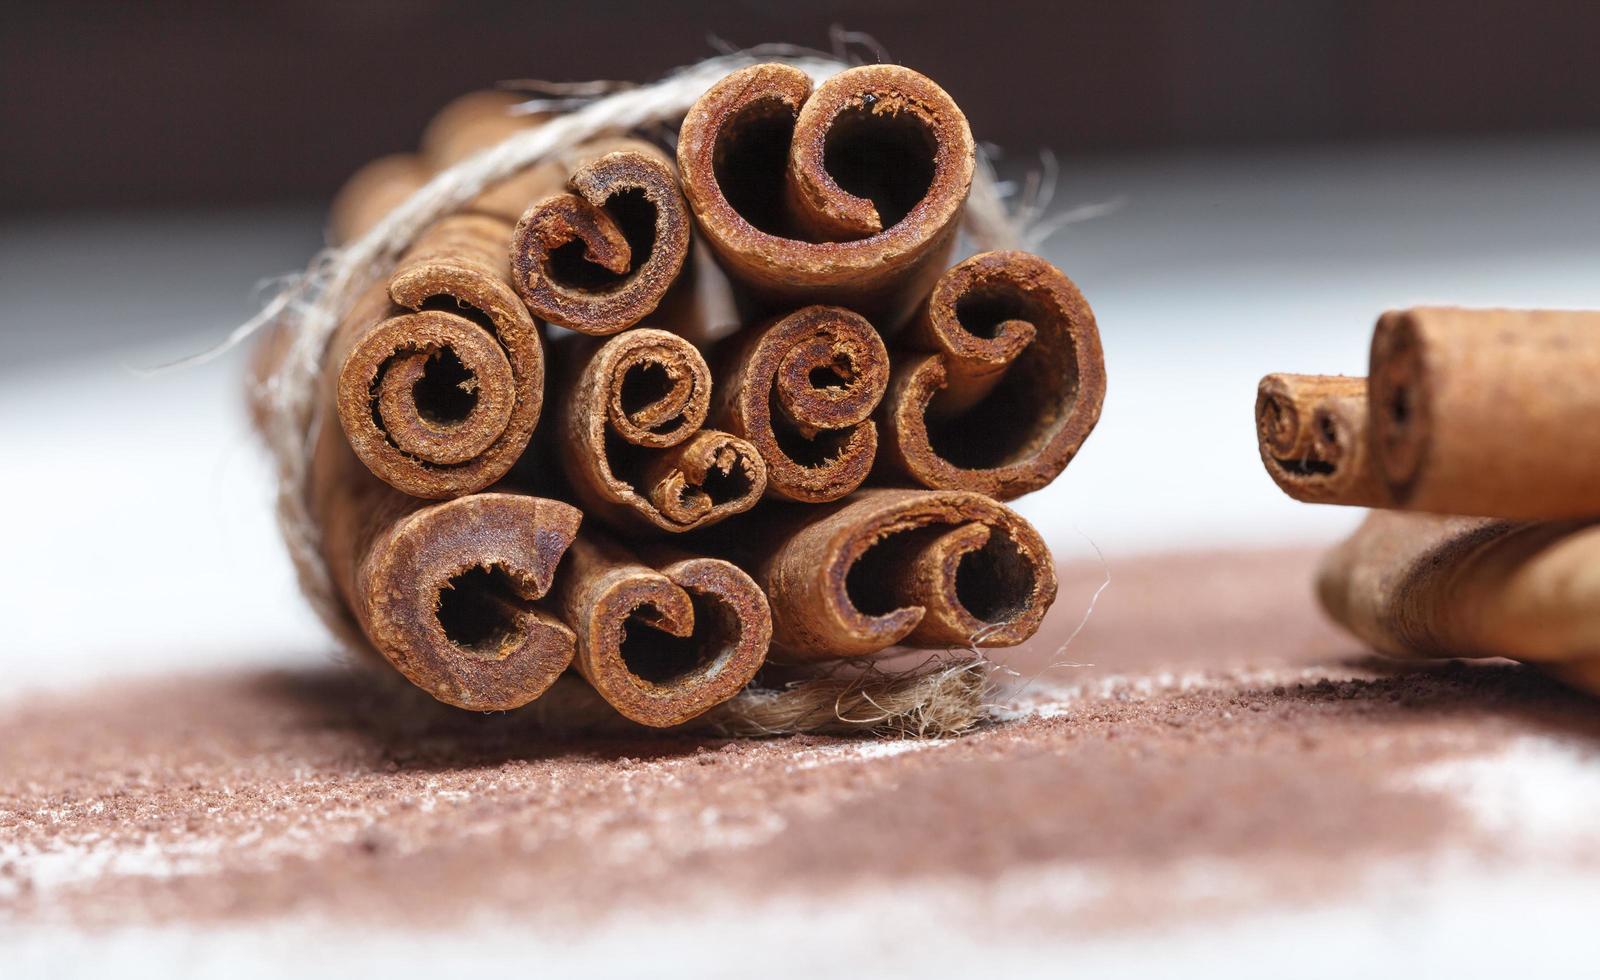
(630, 438)
(661, 644)
(1486, 412)
(848, 194)
(599, 258)
(802, 389)
(1010, 385)
(917, 568)
(1422, 585)
(1312, 433)
(372, 192)
(441, 401)
(444, 591)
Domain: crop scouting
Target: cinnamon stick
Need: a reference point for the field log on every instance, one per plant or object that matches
(630, 439)
(802, 389)
(848, 194)
(473, 123)
(442, 401)
(1312, 433)
(372, 192)
(1486, 412)
(666, 642)
(1005, 384)
(1422, 585)
(599, 258)
(444, 592)
(917, 568)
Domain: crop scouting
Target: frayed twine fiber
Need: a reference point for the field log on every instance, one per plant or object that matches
(930, 700)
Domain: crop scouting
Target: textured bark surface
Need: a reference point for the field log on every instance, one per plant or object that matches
(442, 401)
(1484, 411)
(913, 568)
(849, 195)
(997, 382)
(802, 389)
(1312, 433)
(663, 642)
(630, 441)
(1420, 585)
(599, 258)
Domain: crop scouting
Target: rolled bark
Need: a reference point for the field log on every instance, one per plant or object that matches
(442, 401)
(1005, 382)
(471, 124)
(1312, 433)
(372, 192)
(599, 258)
(444, 592)
(1423, 585)
(802, 389)
(915, 568)
(848, 195)
(630, 439)
(665, 642)
(1488, 412)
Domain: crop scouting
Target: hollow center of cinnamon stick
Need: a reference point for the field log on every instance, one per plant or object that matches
(480, 611)
(981, 311)
(994, 583)
(836, 374)
(658, 657)
(751, 153)
(1005, 423)
(885, 157)
(447, 392)
(635, 217)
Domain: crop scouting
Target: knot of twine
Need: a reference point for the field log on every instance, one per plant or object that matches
(308, 306)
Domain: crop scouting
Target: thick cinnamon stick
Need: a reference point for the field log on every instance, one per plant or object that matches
(599, 258)
(1488, 412)
(916, 568)
(1312, 433)
(849, 194)
(1422, 585)
(630, 439)
(666, 642)
(1006, 385)
(441, 401)
(473, 123)
(802, 389)
(444, 591)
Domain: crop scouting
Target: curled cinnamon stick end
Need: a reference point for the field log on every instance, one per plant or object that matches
(632, 445)
(372, 192)
(849, 194)
(1312, 433)
(599, 258)
(802, 390)
(662, 644)
(1011, 384)
(909, 567)
(442, 401)
(1485, 411)
(1423, 585)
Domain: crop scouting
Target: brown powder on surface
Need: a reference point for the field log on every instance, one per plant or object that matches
(233, 797)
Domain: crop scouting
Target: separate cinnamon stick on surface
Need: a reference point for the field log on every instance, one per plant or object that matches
(1004, 384)
(802, 389)
(1489, 412)
(1422, 585)
(630, 441)
(916, 568)
(849, 194)
(599, 258)
(444, 592)
(666, 642)
(442, 401)
(1312, 433)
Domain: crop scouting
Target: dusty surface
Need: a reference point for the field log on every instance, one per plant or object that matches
(1221, 724)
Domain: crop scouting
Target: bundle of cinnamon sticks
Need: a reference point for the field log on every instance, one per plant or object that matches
(531, 456)
(1476, 434)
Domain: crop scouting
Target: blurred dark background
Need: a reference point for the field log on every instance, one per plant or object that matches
(167, 103)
